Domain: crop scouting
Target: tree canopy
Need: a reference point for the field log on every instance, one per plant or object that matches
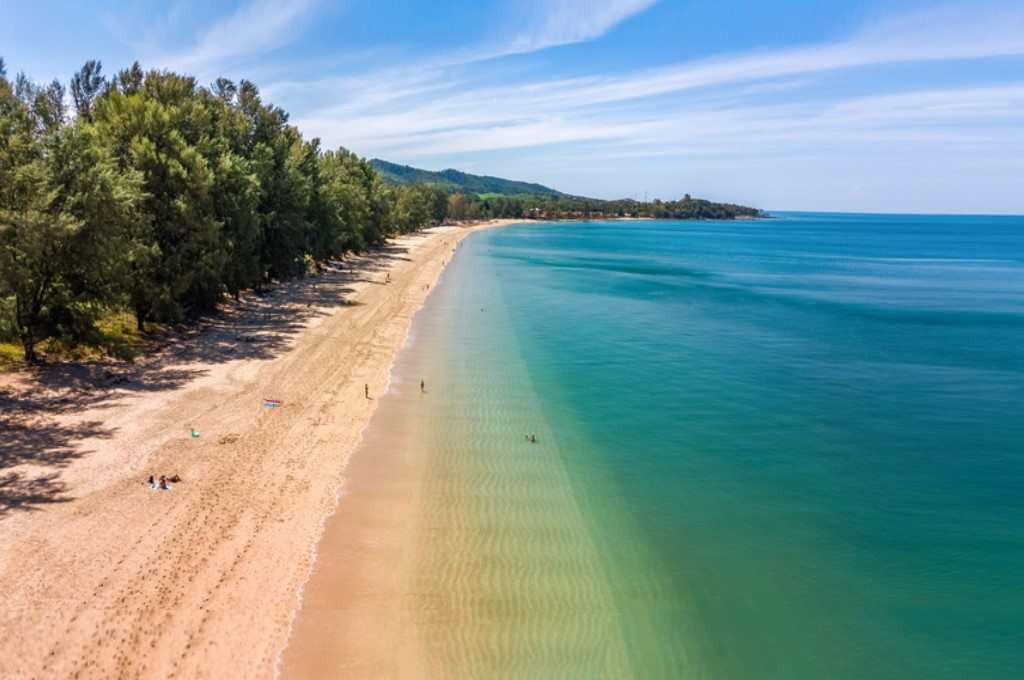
(155, 194)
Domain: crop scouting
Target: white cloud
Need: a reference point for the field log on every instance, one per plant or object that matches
(922, 38)
(564, 22)
(486, 118)
(474, 123)
(256, 27)
(542, 24)
(989, 103)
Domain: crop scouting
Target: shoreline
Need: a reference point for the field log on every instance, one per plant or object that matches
(284, 665)
(231, 547)
(429, 566)
(468, 228)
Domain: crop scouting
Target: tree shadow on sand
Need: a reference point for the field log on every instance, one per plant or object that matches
(258, 326)
(33, 439)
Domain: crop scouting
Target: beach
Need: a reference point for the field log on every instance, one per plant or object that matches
(786, 448)
(258, 413)
(459, 548)
(783, 448)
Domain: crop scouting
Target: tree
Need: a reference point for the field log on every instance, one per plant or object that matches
(175, 257)
(356, 203)
(159, 196)
(438, 199)
(99, 200)
(86, 84)
(412, 209)
(24, 263)
(236, 196)
(129, 80)
(225, 90)
(62, 201)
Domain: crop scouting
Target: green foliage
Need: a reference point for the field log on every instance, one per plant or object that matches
(413, 207)
(533, 206)
(85, 85)
(174, 255)
(456, 181)
(473, 197)
(11, 356)
(159, 197)
(62, 203)
(348, 190)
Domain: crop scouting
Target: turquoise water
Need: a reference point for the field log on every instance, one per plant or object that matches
(793, 448)
(790, 448)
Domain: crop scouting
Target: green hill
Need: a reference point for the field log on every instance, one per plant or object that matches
(482, 196)
(463, 182)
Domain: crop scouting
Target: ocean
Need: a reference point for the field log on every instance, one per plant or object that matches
(784, 448)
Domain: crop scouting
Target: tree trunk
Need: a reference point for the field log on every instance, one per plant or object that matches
(28, 341)
(25, 321)
(140, 319)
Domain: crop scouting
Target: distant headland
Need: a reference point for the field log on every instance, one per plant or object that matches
(486, 197)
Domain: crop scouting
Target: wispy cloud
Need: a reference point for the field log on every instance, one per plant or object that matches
(920, 38)
(254, 28)
(429, 110)
(564, 22)
(536, 25)
(967, 115)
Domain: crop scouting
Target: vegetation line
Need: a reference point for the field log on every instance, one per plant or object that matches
(152, 197)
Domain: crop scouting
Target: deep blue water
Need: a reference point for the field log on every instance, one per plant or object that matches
(798, 442)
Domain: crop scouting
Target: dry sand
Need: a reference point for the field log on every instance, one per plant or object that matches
(103, 577)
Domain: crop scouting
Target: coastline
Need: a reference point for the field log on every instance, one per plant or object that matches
(439, 556)
(108, 578)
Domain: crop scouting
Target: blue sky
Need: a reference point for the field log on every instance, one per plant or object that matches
(795, 104)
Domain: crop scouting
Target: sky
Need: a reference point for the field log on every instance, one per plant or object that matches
(894, 106)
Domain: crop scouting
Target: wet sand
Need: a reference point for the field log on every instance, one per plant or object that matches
(458, 548)
(105, 578)
(355, 623)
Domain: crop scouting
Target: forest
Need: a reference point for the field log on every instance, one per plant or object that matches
(483, 197)
(146, 194)
(463, 206)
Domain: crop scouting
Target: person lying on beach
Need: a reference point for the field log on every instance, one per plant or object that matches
(174, 479)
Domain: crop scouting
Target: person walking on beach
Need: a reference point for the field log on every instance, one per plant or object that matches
(423, 386)
(366, 390)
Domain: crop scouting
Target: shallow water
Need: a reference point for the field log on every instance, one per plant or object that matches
(789, 448)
